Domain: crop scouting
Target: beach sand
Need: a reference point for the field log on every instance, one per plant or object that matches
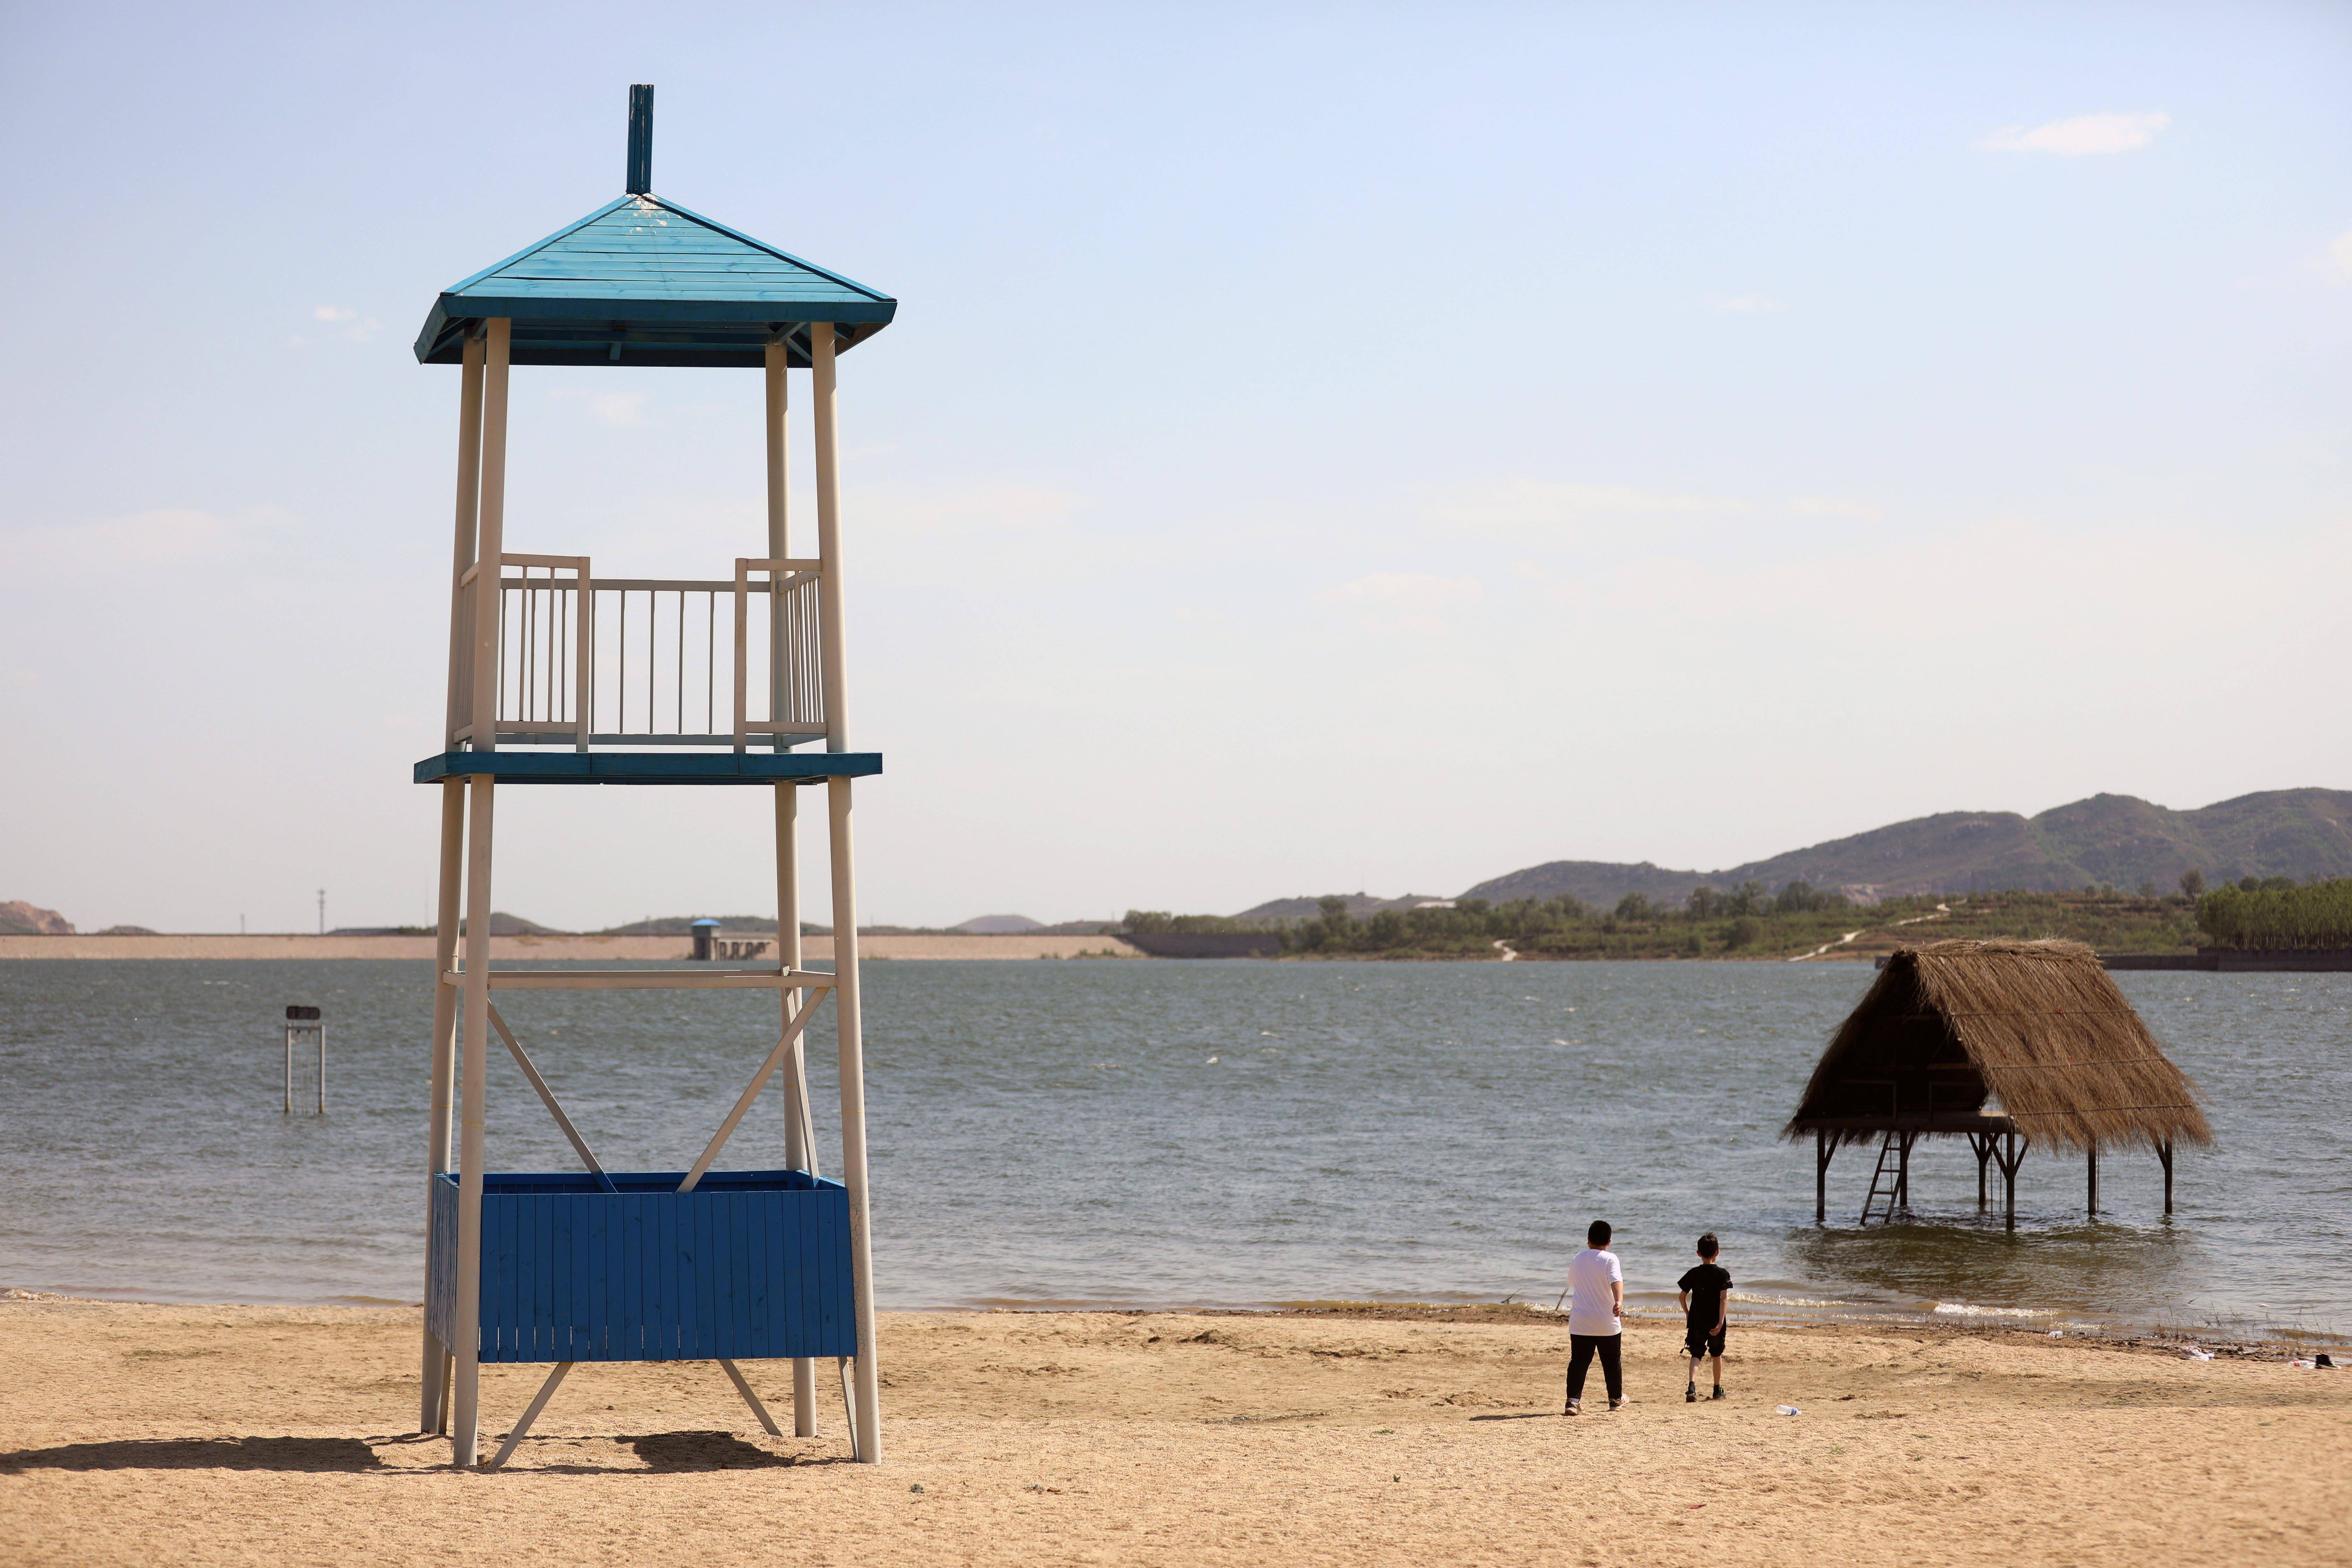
(243, 1435)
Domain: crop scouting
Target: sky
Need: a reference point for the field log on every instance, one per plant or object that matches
(1319, 449)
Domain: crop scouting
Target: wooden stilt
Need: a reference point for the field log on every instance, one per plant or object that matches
(2010, 1153)
(1822, 1150)
(846, 1001)
(743, 1386)
(435, 1396)
(2164, 1153)
(1902, 1171)
(483, 709)
(467, 1309)
(2092, 1164)
(470, 499)
(530, 1413)
(799, 1154)
(1982, 1143)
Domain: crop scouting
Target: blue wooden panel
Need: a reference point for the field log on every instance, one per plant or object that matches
(750, 1265)
(648, 767)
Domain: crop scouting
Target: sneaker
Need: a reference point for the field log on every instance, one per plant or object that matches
(1718, 1391)
(1616, 1404)
(1690, 1395)
(1575, 1407)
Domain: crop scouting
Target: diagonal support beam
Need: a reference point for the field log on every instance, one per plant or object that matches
(750, 1094)
(530, 1413)
(547, 1097)
(743, 1386)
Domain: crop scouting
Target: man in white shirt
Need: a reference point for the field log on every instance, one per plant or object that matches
(1596, 1310)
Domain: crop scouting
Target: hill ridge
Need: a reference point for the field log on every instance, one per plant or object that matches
(2117, 840)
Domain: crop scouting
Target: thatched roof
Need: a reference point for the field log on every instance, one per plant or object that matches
(2037, 1025)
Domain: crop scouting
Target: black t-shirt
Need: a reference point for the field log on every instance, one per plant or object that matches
(1707, 1284)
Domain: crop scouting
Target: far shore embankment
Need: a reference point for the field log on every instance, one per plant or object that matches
(504, 949)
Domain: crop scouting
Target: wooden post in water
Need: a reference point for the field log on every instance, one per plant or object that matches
(2092, 1164)
(1822, 1150)
(2164, 1153)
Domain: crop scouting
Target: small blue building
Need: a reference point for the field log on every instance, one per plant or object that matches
(560, 675)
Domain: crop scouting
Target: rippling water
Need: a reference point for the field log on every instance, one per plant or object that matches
(1179, 1133)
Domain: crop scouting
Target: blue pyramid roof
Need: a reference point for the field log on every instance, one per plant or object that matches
(645, 282)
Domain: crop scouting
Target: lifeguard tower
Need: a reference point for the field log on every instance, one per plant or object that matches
(558, 675)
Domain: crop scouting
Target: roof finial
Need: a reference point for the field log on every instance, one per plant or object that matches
(641, 139)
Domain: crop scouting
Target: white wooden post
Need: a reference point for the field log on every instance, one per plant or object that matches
(489, 563)
(779, 534)
(847, 1023)
(469, 496)
(798, 1155)
(466, 1312)
(828, 540)
(845, 1010)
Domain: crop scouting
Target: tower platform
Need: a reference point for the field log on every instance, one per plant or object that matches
(650, 767)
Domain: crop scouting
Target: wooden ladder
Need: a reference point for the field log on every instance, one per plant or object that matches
(1884, 1181)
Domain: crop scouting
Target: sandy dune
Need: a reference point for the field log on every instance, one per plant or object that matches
(140, 1435)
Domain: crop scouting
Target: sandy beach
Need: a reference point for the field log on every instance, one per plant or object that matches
(244, 1435)
(516, 949)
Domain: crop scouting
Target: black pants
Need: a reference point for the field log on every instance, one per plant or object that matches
(1579, 1358)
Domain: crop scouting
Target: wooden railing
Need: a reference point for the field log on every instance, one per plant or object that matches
(638, 661)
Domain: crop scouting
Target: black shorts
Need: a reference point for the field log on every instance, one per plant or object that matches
(1697, 1342)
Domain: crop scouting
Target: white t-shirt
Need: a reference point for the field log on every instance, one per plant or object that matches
(1590, 1274)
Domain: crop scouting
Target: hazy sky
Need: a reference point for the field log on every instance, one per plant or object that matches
(1318, 447)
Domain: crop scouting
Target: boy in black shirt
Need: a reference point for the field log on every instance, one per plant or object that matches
(1706, 1303)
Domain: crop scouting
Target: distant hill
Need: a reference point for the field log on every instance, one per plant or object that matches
(18, 918)
(997, 925)
(1359, 905)
(2108, 839)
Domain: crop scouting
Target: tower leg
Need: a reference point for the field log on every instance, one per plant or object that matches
(466, 1315)
(798, 1154)
(847, 1023)
(444, 1015)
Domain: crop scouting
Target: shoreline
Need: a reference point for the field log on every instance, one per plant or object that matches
(564, 949)
(1350, 1434)
(2251, 1342)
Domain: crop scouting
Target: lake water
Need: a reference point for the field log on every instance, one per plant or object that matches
(1158, 1134)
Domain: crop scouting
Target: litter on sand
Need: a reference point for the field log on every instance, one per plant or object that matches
(2057, 1334)
(2193, 1353)
(1787, 1410)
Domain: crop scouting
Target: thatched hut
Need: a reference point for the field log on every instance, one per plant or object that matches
(1952, 1028)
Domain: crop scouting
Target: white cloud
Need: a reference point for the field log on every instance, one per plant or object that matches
(1547, 505)
(1830, 506)
(1750, 302)
(1402, 601)
(2339, 257)
(137, 540)
(624, 410)
(359, 329)
(2084, 134)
